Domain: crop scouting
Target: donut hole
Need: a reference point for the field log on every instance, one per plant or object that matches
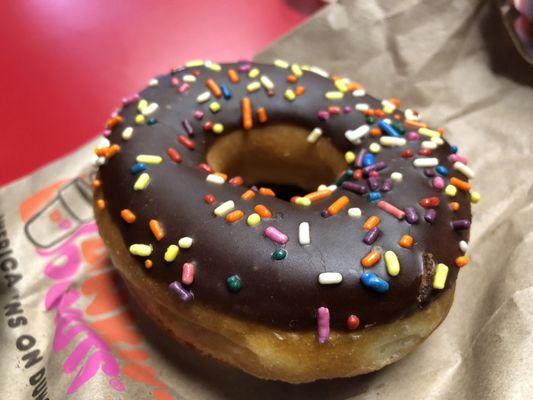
(279, 157)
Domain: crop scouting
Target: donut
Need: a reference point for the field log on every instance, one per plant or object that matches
(280, 219)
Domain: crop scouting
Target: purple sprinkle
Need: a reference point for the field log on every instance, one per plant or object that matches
(324, 214)
(430, 215)
(412, 136)
(360, 157)
(411, 216)
(373, 183)
(438, 183)
(184, 294)
(323, 115)
(387, 185)
(372, 235)
(354, 187)
(347, 109)
(461, 224)
(188, 128)
(429, 172)
(244, 67)
(275, 235)
(374, 167)
(198, 114)
(181, 68)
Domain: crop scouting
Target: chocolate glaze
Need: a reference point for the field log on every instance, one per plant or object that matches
(283, 293)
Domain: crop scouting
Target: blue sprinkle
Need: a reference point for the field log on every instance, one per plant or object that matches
(454, 149)
(374, 282)
(388, 129)
(368, 160)
(138, 168)
(441, 170)
(225, 91)
(373, 196)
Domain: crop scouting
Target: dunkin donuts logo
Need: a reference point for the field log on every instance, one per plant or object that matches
(94, 328)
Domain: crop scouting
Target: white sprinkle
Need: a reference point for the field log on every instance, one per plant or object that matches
(329, 278)
(149, 159)
(322, 187)
(97, 161)
(392, 141)
(185, 242)
(354, 212)
(362, 107)
(203, 97)
(464, 169)
(103, 142)
(374, 148)
(304, 235)
(319, 71)
(189, 78)
(358, 93)
(224, 208)
(396, 176)
(426, 162)
(153, 82)
(266, 82)
(215, 179)
(355, 135)
(463, 245)
(429, 144)
(410, 115)
(314, 135)
(332, 187)
(150, 109)
(127, 133)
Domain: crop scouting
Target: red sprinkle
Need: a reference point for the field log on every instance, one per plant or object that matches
(407, 153)
(373, 174)
(429, 202)
(424, 152)
(174, 155)
(209, 198)
(207, 126)
(185, 141)
(352, 322)
(187, 274)
(205, 168)
(358, 174)
(236, 181)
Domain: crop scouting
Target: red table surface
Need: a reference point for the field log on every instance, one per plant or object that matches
(65, 65)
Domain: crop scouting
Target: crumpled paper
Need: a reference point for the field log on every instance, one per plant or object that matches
(70, 330)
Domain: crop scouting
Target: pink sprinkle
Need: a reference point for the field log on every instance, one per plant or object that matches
(392, 210)
(106, 133)
(413, 136)
(275, 235)
(438, 183)
(323, 324)
(323, 115)
(187, 275)
(174, 81)
(131, 99)
(456, 157)
(183, 87)
(198, 114)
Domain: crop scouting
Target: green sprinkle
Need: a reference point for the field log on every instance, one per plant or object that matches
(151, 121)
(279, 254)
(234, 283)
(370, 120)
(399, 127)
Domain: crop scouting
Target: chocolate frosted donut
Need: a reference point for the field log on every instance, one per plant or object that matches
(283, 201)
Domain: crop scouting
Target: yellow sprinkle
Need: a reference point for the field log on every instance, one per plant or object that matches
(349, 156)
(143, 250)
(218, 128)
(296, 70)
(171, 253)
(341, 86)
(429, 132)
(441, 273)
(213, 66)
(214, 107)
(281, 63)
(388, 109)
(254, 73)
(253, 86)
(194, 63)
(334, 95)
(149, 159)
(139, 119)
(450, 190)
(392, 262)
(475, 197)
(374, 148)
(289, 95)
(303, 201)
(185, 242)
(253, 219)
(150, 109)
(266, 82)
(143, 103)
(142, 181)
(437, 140)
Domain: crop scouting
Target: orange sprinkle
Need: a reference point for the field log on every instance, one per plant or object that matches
(100, 203)
(213, 87)
(248, 195)
(128, 216)
(299, 90)
(233, 76)
(415, 124)
(96, 183)
(441, 131)
(369, 112)
(375, 132)
(156, 229)
(266, 192)
(234, 216)
(107, 152)
(247, 118)
(262, 115)
(222, 175)
(263, 211)
(397, 117)
(354, 86)
(406, 241)
(334, 110)
(292, 79)
(371, 259)
(111, 122)
(335, 77)
(380, 113)
(148, 264)
(455, 206)
(318, 195)
(236, 181)
(338, 205)
(460, 262)
(395, 101)
(371, 222)
(463, 185)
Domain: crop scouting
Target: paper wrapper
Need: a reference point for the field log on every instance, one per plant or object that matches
(70, 330)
